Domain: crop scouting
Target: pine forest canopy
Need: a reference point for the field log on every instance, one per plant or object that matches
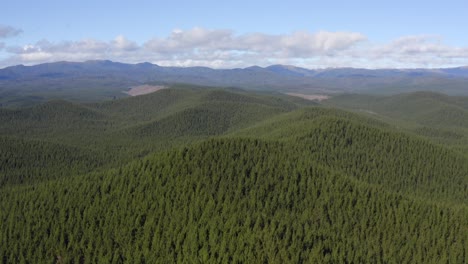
(197, 174)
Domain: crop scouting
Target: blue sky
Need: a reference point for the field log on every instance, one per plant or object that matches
(313, 34)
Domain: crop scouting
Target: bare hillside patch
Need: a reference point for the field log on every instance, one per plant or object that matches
(144, 89)
(313, 97)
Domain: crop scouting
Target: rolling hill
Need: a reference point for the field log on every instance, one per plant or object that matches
(209, 175)
(139, 125)
(439, 117)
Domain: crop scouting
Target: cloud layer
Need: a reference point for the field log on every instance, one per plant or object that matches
(226, 49)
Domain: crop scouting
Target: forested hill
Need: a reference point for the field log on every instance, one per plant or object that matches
(227, 176)
(115, 132)
(439, 117)
(427, 108)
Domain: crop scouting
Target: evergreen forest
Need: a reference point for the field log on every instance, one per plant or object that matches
(194, 174)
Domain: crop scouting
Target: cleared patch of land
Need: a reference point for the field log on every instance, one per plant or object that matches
(144, 89)
(314, 97)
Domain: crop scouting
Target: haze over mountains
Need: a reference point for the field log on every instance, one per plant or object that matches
(108, 79)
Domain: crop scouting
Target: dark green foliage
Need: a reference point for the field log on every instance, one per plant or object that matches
(28, 161)
(440, 133)
(372, 152)
(425, 108)
(397, 161)
(438, 117)
(228, 177)
(212, 118)
(133, 127)
(54, 119)
(227, 200)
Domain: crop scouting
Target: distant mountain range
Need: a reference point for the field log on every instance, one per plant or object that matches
(106, 79)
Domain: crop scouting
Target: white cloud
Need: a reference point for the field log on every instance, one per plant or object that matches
(297, 44)
(36, 56)
(122, 43)
(226, 49)
(186, 41)
(421, 51)
(304, 44)
(8, 31)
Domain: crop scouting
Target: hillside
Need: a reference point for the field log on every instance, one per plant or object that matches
(441, 118)
(135, 126)
(227, 201)
(371, 151)
(192, 174)
(26, 161)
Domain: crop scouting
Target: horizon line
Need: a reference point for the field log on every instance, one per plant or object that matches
(235, 68)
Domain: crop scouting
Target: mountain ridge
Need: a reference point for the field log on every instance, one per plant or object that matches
(286, 66)
(98, 80)
(109, 65)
